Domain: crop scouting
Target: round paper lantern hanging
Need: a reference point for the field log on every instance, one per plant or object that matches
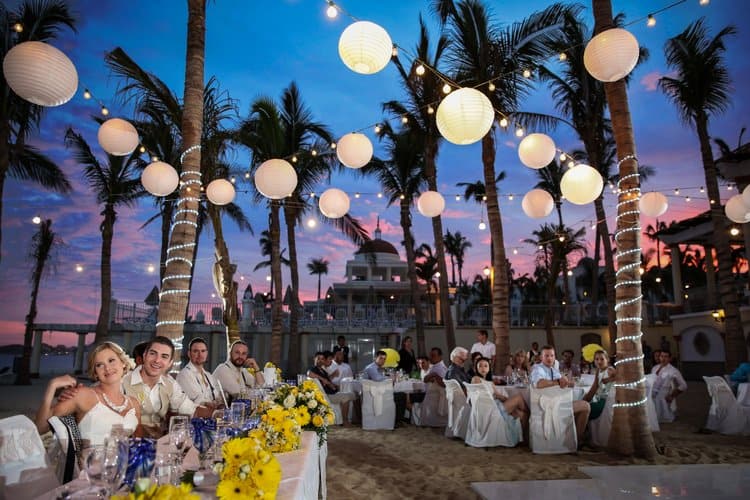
(736, 210)
(160, 179)
(611, 55)
(464, 116)
(334, 203)
(365, 47)
(40, 74)
(746, 196)
(275, 179)
(117, 137)
(354, 150)
(431, 204)
(537, 150)
(220, 192)
(653, 204)
(537, 203)
(581, 184)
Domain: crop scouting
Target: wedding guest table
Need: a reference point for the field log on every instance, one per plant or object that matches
(407, 386)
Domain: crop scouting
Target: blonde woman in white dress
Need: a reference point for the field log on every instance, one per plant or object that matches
(99, 407)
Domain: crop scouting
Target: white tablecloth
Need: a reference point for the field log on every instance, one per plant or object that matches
(743, 394)
(410, 385)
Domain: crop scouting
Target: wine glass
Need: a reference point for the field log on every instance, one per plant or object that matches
(178, 421)
(237, 411)
(93, 460)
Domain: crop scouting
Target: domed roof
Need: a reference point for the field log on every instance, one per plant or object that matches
(377, 246)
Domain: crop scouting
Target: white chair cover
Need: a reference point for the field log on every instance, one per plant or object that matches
(665, 412)
(21, 448)
(458, 410)
(588, 379)
(378, 407)
(600, 427)
(336, 407)
(653, 420)
(725, 416)
(433, 410)
(486, 426)
(552, 425)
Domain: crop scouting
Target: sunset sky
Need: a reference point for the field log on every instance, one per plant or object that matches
(256, 49)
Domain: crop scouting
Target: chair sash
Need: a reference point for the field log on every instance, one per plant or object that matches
(551, 408)
(378, 393)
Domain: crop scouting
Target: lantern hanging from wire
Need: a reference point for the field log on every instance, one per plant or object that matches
(537, 203)
(220, 192)
(653, 204)
(40, 73)
(581, 184)
(431, 204)
(464, 116)
(334, 203)
(117, 137)
(354, 150)
(160, 178)
(611, 55)
(365, 47)
(536, 150)
(275, 179)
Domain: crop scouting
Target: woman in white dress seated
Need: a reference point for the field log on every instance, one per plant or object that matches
(603, 381)
(99, 407)
(510, 407)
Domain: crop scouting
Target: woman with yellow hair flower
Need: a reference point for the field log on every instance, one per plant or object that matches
(603, 381)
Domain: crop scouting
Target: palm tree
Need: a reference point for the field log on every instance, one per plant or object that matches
(115, 184)
(456, 245)
(701, 90)
(319, 267)
(481, 52)
(43, 250)
(633, 436)
(421, 92)
(401, 177)
(173, 299)
(266, 249)
(41, 21)
(426, 267)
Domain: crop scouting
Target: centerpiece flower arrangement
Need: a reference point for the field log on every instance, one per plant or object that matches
(249, 470)
(308, 406)
(145, 489)
(278, 429)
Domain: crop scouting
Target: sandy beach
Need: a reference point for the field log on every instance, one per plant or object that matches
(412, 462)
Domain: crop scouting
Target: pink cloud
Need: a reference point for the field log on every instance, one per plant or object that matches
(650, 81)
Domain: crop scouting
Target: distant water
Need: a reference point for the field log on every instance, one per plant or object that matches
(48, 365)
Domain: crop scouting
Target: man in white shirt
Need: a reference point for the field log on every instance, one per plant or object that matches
(437, 367)
(668, 385)
(483, 346)
(344, 370)
(233, 374)
(199, 384)
(158, 392)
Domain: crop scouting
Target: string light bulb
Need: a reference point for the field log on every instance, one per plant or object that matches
(491, 87)
(687, 199)
(142, 149)
(79, 268)
(86, 94)
(677, 191)
(527, 73)
(314, 152)
(356, 195)
(515, 251)
(333, 145)
(150, 268)
(294, 159)
(486, 271)
(571, 164)
(377, 128)
(702, 189)
(311, 223)
(394, 51)
(18, 28)
(105, 111)
(563, 157)
(446, 89)
(703, 2)
(563, 56)
(651, 22)
(380, 195)
(519, 132)
(458, 197)
(482, 226)
(36, 220)
(503, 122)
(404, 119)
(332, 12)
(510, 197)
(419, 70)
(430, 110)
(734, 231)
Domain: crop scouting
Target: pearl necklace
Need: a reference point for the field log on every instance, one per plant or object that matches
(117, 408)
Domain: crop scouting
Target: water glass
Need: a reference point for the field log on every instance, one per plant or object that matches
(301, 379)
(237, 411)
(163, 469)
(93, 461)
(178, 421)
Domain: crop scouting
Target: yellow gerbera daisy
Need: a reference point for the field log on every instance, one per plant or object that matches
(230, 489)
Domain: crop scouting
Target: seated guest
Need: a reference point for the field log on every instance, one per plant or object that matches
(318, 371)
(424, 366)
(517, 367)
(407, 362)
(567, 365)
(459, 356)
(484, 347)
(344, 370)
(341, 346)
(331, 367)
(437, 367)
(604, 379)
(233, 374)
(534, 355)
(668, 385)
(197, 382)
(510, 407)
(138, 351)
(375, 372)
(545, 374)
(96, 408)
(474, 357)
(157, 392)
(741, 374)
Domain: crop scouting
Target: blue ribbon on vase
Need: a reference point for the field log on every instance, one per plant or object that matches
(204, 433)
(140, 459)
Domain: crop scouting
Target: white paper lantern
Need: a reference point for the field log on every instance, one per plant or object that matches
(611, 55)
(581, 184)
(736, 210)
(354, 150)
(653, 204)
(465, 116)
(334, 203)
(160, 179)
(746, 196)
(276, 179)
(220, 192)
(537, 150)
(537, 203)
(117, 137)
(365, 47)
(431, 204)
(40, 74)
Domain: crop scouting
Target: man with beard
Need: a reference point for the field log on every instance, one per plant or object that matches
(195, 380)
(239, 373)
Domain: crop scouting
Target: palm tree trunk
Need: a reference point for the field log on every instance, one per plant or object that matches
(736, 344)
(595, 277)
(430, 173)
(500, 305)
(609, 267)
(4, 167)
(320, 275)
(294, 312)
(276, 318)
(108, 230)
(453, 270)
(23, 377)
(223, 274)
(411, 270)
(166, 220)
(564, 258)
(631, 434)
(552, 305)
(173, 305)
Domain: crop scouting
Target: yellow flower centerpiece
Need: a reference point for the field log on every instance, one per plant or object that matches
(308, 406)
(152, 491)
(249, 470)
(279, 429)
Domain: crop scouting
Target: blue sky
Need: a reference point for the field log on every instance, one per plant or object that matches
(256, 49)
